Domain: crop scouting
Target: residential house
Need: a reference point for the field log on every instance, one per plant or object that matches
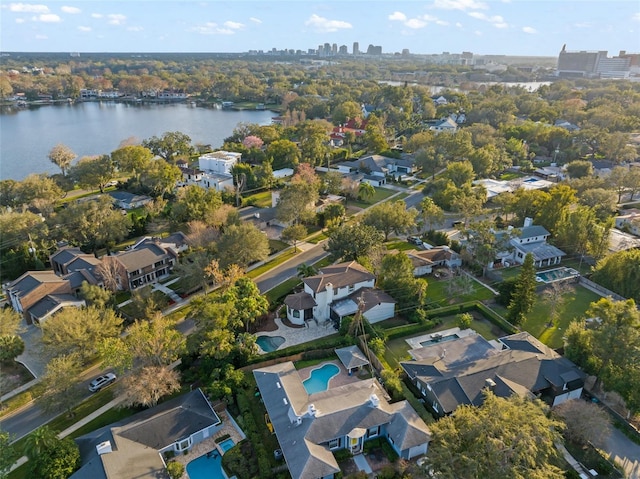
(621, 241)
(629, 221)
(133, 448)
(566, 125)
(69, 259)
(446, 124)
(602, 168)
(352, 358)
(378, 167)
(216, 169)
(309, 427)
(338, 291)
(425, 261)
(38, 290)
(191, 176)
(129, 201)
(146, 262)
(457, 371)
(533, 239)
(440, 101)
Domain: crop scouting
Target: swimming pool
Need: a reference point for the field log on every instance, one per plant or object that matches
(438, 339)
(319, 378)
(557, 274)
(269, 343)
(208, 466)
(226, 445)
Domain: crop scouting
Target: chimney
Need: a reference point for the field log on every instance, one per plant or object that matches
(311, 410)
(490, 384)
(373, 399)
(444, 353)
(103, 448)
(528, 222)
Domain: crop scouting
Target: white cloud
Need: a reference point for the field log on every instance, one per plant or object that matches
(636, 17)
(399, 16)
(71, 10)
(233, 25)
(212, 28)
(460, 5)
(458, 24)
(415, 23)
(529, 30)
(20, 20)
(478, 32)
(96, 15)
(135, 29)
(116, 18)
(84, 29)
(496, 20)
(28, 8)
(47, 18)
(255, 20)
(41, 37)
(324, 25)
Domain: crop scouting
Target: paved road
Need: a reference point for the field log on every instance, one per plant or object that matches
(287, 270)
(624, 452)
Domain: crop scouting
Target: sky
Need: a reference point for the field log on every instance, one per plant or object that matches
(508, 27)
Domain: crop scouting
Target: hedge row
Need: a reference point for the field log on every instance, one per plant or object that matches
(496, 319)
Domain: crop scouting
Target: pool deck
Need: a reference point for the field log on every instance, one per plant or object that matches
(293, 336)
(341, 379)
(414, 343)
(228, 426)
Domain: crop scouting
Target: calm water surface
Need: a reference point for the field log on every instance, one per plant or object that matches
(95, 128)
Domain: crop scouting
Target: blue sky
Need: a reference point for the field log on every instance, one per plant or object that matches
(511, 27)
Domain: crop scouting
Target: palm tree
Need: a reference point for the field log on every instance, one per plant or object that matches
(306, 270)
(39, 441)
(366, 191)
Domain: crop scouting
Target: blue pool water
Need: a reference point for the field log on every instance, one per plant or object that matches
(557, 274)
(320, 377)
(208, 466)
(269, 343)
(226, 445)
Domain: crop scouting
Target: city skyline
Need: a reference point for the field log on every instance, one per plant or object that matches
(509, 27)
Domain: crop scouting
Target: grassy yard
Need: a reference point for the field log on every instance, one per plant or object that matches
(400, 245)
(259, 200)
(578, 302)
(438, 296)
(381, 194)
(284, 288)
(275, 246)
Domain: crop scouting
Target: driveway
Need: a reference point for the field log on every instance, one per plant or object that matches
(33, 357)
(624, 452)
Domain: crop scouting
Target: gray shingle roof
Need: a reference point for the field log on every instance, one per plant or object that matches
(351, 357)
(32, 279)
(300, 301)
(339, 275)
(541, 251)
(532, 231)
(52, 302)
(145, 255)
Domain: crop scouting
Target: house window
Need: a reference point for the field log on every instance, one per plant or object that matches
(296, 313)
(184, 444)
(373, 431)
(335, 443)
(351, 288)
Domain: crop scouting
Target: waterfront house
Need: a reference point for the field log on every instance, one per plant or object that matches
(133, 448)
(129, 201)
(310, 427)
(452, 372)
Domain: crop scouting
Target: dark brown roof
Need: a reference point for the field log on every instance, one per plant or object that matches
(339, 275)
(300, 301)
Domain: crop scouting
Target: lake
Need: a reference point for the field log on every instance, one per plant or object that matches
(96, 128)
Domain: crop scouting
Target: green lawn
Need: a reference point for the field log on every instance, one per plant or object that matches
(254, 273)
(438, 296)
(275, 246)
(280, 291)
(400, 245)
(381, 194)
(578, 302)
(259, 200)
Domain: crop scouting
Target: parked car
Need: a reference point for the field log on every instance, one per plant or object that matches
(414, 240)
(101, 382)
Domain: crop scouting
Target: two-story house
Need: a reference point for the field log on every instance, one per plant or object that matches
(310, 427)
(216, 169)
(146, 262)
(533, 239)
(454, 372)
(338, 291)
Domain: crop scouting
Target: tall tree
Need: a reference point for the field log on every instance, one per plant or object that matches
(242, 244)
(62, 388)
(430, 213)
(390, 217)
(148, 386)
(247, 301)
(297, 203)
(508, 438)
(8, 454)
(396, 277)
(132, 158)
(160, 177)
(55, 458)
(10, 322)
(585, 422)
(93, 171)
(62, 156)
(352, 241)
(293, 234)
(79, 330)
(620, 272)
(524, 295)
(366, 191)
(170, 146)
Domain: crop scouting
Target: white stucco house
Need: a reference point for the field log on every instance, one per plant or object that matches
(533, 239)
(338, 291)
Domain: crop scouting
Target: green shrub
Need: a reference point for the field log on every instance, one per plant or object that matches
(222, 438)
(175, 469)
(341, 454)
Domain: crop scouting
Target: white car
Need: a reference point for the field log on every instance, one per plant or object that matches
(101, 381)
